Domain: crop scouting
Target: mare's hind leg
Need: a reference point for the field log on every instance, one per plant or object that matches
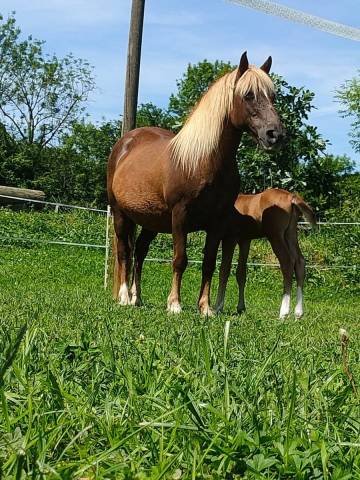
(179, 257)
(227, 247)
(287, 264)
(124, 231)
(244, 247)
(141, 249)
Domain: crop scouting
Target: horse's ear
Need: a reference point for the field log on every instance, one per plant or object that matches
(243, 66)
(267, 65)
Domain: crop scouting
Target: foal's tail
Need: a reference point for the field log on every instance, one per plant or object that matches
(304, 208)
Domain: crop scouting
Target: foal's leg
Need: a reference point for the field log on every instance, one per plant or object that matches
(228, 247)
(141, 249)
(179, 257)
(291, 238)
(124, 231)
(287, 263)
(244, 247)
(208, 267)
(300, 277)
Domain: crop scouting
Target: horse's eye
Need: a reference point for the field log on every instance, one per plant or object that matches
(249, 96)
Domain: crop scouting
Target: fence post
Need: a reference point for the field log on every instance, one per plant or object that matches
(107, 247)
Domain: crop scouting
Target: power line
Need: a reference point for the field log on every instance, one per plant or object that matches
(272, 8)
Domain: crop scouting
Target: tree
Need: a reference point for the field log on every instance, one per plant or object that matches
(323, 177)
(349, 95)
(149, 115)
(40, 95)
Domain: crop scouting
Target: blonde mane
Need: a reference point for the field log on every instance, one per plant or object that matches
(199, 138)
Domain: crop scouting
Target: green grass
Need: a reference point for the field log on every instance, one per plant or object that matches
(95, 390)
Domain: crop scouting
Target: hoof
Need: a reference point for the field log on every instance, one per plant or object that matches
(136, 301)
(124, 301)
(219, 309)
(174, 307)
(240, 310)
(298, 313)
(207, 311)
(124, 297)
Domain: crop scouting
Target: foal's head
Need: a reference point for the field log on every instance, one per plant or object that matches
(253, 100)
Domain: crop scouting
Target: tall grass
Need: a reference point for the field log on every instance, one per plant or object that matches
(94, 390)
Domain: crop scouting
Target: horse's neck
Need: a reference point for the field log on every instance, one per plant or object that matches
(227, 148)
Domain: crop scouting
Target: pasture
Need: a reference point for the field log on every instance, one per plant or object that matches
(101, 391)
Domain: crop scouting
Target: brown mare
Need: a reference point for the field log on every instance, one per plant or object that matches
(273, 214)
(179, 184)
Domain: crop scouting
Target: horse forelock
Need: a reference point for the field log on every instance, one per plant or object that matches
(256, 81)
(198, 140)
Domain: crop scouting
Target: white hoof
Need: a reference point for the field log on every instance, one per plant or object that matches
(207, 311)
(285, 306)
(174, 307)
(298, 312)
(136, 301)
(124, 297)
(124, 301)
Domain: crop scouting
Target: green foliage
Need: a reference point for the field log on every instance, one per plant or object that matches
(348, 187)
(323, 180)
(349, 95)
(149, 115)
(41, 95)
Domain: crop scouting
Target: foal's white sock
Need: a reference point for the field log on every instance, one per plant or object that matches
(299, 303)
(285, 305)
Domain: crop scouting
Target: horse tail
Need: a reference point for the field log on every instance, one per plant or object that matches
(304, 209)
(116, 277)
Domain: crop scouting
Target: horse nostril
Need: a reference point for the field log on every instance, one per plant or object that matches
(272, 134)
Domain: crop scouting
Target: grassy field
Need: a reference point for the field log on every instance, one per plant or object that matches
(95, 390)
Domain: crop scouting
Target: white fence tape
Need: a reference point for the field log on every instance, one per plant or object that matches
(163, 260)
(158, 260)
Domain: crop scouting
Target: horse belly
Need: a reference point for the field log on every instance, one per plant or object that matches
(143, 205)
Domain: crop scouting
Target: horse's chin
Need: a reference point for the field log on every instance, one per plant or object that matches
(268, 147)
(264, 145)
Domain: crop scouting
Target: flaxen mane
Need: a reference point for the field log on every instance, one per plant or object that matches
(199, 138)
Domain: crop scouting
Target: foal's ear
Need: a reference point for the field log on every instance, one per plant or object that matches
(267, 65)
(243, 66)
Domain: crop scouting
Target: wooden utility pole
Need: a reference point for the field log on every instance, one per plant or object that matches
(133, 65)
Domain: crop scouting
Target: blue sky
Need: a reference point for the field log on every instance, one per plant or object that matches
(179, 32)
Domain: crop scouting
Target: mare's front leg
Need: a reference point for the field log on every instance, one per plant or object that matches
(241, 271)
(227, 251)
(179, 234)
(208, 267)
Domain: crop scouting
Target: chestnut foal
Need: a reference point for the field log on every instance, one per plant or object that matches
(186, 182)
(273, 214)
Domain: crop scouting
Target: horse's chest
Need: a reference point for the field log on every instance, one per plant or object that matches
(212, 204)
